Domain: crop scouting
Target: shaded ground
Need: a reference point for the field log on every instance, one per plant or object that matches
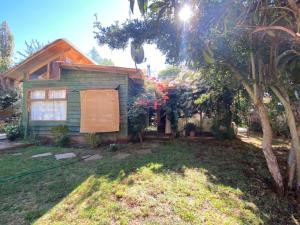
(199, 182)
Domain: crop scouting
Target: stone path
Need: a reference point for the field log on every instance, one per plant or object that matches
(144, 151)
(6, 145)
(65, 156)
(42, 155)
(18, 153)
(3, 137)
(121, 156)
(92, 157)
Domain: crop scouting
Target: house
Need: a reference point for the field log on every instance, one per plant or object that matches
(60, 85)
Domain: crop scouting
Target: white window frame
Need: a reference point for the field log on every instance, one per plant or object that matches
(47, 99)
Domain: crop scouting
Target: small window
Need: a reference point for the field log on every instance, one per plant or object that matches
(50, 104)
(40, 74)
(57, 94)
(50, 71)
(38, 94)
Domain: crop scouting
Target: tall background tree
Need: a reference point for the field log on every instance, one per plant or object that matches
(170, 73)
(6, 47)
(31, 47)
(94, 55)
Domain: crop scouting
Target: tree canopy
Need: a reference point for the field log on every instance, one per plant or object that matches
(94, 55)
(169, 73)
(6, 47)
(31, 47)
(253, 41)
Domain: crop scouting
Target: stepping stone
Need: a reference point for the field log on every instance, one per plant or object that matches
(65, 156)
(41, 155)
(3, 136)
(85, 156)
(16, 154)
(144, 151)
(121, 156)
(93, 157)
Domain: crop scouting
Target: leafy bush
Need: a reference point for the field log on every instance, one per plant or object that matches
(255, 126)
(137, 117)
(60, 135)
(222, 134)
(113, 147)
(280, 128)
(7, 98)
(33, 137)
(93, 140)
(189, 127)
(12, 131)
(230, 134)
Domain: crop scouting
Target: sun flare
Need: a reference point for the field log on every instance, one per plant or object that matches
(185, 13)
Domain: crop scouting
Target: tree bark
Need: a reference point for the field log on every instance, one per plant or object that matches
(267, 131)
(294, 155)
(267, 148)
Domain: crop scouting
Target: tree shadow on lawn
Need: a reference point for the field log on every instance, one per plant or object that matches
(229, 167)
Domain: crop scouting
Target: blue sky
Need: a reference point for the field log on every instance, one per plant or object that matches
(48, 20)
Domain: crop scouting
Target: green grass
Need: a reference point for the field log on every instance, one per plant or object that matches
(204, 182)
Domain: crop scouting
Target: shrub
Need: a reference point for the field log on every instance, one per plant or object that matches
(255, 126)
(113, 147)
(222, 134)
(137, 117)
(33, 137)
(93, 140)
(60, 135)
(189, 127)
(230, 134)
(12, 131)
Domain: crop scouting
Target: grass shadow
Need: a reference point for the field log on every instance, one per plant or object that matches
(221, 176)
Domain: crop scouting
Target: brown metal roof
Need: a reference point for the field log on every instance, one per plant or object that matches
(132, 73)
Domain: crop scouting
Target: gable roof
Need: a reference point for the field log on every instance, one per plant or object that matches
(57, 48)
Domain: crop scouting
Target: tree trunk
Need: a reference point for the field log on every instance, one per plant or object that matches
(267, 148)
(267, 131)
(294, 155)
(291, 167)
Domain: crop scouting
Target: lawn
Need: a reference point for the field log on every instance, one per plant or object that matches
(201, 182)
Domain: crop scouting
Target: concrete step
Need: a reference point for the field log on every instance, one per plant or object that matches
(3, 137)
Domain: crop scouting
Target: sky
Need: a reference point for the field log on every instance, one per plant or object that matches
(48, 20)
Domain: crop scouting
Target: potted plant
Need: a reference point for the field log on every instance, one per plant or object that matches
(190, 129)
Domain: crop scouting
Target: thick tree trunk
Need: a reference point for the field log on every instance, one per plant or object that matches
(294, 155)
(291, 167)
(267, 131)
(267, 148)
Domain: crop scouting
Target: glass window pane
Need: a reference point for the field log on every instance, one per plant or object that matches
(49, 110)
(40, 74)
(57, 94)
(38, 94)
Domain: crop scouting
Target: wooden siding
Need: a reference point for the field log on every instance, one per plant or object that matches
(74, 81)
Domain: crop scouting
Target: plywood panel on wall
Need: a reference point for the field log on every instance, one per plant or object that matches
(99, 111)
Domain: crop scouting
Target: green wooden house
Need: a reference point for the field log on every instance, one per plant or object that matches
(60, 85)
